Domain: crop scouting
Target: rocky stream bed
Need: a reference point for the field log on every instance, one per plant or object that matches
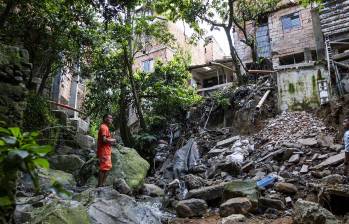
(288, 172)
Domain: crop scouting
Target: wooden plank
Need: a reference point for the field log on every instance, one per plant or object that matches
(335, 28)
(329, 33)
(334, 7)
(261, 71)
(341, 56)
(335, 23)
(334, 12)
(338, 43)
(215, 87)
(341, 64)
(333, 18)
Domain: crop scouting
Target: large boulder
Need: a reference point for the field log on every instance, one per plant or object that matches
(306, 212)
(88, 196)
(239, 205)
(242, 188)
(121, 186)
(47, 177)
(68, 212)
(122, 209)
(85, 141)
(152, 190)
(128, 165)
(191, 208)
(66, 163)
(106, 205)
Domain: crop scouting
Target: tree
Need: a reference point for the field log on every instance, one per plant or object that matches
(48, 28)
(220, 14)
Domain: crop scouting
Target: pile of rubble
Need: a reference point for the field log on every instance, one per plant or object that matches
(290, 167)
(236, 106)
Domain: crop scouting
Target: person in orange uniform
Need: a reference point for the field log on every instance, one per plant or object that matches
(104, 143)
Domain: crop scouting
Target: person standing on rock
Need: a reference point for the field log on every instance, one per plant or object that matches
(104, 143)
(346, 146)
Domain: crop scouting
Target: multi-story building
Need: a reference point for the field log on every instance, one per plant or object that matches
(290, 38)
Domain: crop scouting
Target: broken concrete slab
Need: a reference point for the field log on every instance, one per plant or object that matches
(304, 169)
(311, 212)
(207, 193)
(336, 147)
(216, 151)
(242, 188)
(333, 160)
(307, 141)
(325, 140)
(227, 141)
(294, 158)
(332, 179)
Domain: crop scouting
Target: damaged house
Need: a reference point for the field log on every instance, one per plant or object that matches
(291, 39)
(334, 19)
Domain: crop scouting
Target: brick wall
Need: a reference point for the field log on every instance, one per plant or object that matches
(294, 40)
(282, 42)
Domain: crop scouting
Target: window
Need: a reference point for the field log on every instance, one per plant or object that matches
(292, 59)
(291, 21)
(263, 41)
(148, 65)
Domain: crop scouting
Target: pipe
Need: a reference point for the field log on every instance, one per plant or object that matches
(259, 105)
(65, 106)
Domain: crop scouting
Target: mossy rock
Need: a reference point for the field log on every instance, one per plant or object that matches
(46, 178)
(128, 165)
(68, 212)
(242, 188)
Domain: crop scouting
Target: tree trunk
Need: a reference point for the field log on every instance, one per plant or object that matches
(236, 60)
(123, 116)
(128, 59)
(10, 5)
(45, 77)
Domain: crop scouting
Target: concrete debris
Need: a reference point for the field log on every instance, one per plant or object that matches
(310, 212)
(239, 205)
(333, 160)
(294, 158)
(227, 141)
(286, 188)
(191, 208)
(266, 172)
(233, 219)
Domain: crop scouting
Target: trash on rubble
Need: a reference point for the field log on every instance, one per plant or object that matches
(266, 181)
(185, 158)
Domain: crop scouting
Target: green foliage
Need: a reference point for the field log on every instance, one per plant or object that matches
(144, 142)
(166, 91)
(221, 99)
(306, 3)
(38, 116)
(19, 152)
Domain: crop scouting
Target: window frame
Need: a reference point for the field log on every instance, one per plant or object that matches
(150, 66)
(291, 26)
